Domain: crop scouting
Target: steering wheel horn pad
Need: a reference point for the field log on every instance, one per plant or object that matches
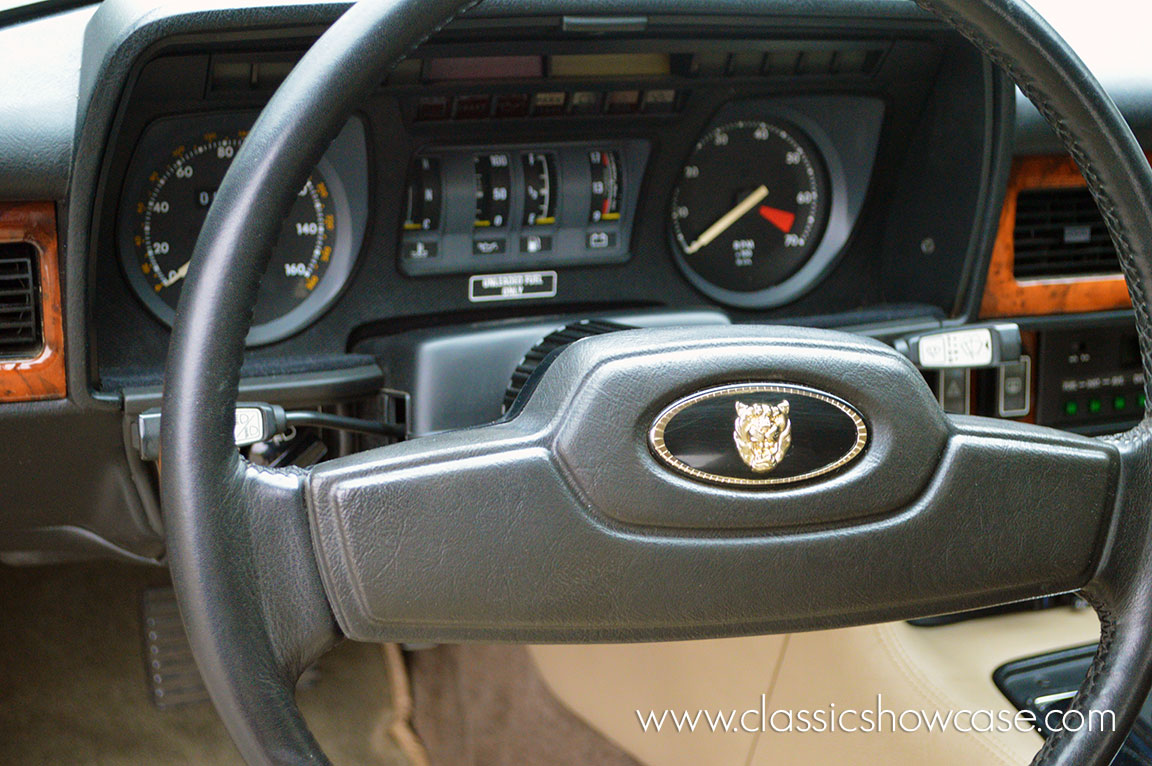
(560, 524)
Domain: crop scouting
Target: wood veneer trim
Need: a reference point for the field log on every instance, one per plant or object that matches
(1004, 295)
(42, 376)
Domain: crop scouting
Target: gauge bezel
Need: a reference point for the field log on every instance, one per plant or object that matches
(845, 131)
(344, 167)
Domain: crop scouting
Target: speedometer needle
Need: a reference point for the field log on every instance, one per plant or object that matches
(178, 274)
(729, 218)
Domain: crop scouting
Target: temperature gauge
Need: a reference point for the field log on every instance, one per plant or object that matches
(605, 167)
(493, 196)
(540, 189)
(422, 211)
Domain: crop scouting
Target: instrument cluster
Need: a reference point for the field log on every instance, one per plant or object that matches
(758, 210)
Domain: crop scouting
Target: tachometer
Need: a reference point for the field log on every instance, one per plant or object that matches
(172, 182)
(751, 206)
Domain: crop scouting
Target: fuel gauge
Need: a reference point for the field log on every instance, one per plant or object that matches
(424, 193)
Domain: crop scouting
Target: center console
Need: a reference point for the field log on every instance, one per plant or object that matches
(1090, 380)
(1086, 379)
(1046, 684)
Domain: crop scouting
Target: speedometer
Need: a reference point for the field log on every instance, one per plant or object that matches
(172, 183)
(178, 200)
(751, 206)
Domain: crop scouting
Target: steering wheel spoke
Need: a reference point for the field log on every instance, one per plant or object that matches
(259, 590)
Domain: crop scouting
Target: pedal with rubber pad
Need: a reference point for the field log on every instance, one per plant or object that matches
(173, 678)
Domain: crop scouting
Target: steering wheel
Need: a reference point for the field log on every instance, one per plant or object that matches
(561, 524)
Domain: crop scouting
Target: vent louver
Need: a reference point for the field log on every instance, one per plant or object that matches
(1059, 233)
(20, 331)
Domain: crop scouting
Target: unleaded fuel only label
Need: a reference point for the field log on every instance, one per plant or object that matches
(512, 287)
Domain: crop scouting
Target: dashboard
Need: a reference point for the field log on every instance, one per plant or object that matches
(527, 168)
(567, 170)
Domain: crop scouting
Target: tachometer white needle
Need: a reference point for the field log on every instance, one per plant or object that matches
(729, 218)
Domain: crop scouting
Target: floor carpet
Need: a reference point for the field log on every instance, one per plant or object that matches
(73, 689)
(480, 705)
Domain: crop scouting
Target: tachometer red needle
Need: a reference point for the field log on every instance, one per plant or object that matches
(781, 219)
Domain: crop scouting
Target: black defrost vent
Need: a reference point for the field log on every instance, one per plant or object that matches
(1059, 233)
(20, 329)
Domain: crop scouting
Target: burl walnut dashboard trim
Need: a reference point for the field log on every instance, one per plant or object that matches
(1004, 295)
(42, 376)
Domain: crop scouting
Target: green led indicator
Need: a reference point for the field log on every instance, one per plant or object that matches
(1119, 403)
(1141, 400)
(1094, 405)
(1071, 408)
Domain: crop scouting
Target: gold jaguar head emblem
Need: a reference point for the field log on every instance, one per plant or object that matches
(763, 434)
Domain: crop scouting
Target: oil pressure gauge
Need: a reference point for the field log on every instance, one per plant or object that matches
(493, 190)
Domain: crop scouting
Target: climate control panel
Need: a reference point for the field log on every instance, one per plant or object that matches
(479, 209)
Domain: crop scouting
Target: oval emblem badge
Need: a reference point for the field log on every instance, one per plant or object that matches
(758, 434)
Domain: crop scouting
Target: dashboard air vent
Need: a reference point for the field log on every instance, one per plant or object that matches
(20, 332)
(1059, 233)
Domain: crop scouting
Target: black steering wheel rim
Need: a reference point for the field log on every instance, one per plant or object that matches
(251, 549)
